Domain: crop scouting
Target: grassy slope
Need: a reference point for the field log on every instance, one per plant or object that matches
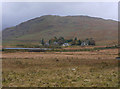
(69, 27)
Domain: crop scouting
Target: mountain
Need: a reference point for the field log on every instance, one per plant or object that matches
(48, 26)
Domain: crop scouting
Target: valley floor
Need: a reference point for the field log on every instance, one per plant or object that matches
(61, 69)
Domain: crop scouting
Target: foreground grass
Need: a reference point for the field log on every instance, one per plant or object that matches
(60, 70)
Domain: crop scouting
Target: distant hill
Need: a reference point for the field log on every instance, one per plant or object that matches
(48, 26)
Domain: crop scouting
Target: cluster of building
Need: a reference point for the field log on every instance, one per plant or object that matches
(63, 42)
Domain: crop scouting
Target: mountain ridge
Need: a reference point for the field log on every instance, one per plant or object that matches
(49, 26)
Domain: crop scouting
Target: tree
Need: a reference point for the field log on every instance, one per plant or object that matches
(70, 40)
(79, 42)
(92, 42)
(49, 42)
(73, 42)
(55, 39)
(75, 39)
(61, 40)
(42, 41)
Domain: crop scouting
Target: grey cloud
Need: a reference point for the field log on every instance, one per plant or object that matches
(15, 13)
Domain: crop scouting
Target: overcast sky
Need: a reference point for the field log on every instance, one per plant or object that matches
(17, 12)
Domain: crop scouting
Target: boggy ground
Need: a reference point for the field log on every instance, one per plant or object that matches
(61, 69)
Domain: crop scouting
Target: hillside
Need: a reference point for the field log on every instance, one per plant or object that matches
(103, 31)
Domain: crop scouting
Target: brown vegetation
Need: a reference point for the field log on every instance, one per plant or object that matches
(61, 69)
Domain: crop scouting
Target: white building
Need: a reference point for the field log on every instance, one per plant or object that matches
(66, 44)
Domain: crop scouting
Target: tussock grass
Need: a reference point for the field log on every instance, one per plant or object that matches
(60, 69)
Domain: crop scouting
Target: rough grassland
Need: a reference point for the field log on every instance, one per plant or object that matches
(61, 69)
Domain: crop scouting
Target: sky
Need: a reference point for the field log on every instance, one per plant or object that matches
(13, 13)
